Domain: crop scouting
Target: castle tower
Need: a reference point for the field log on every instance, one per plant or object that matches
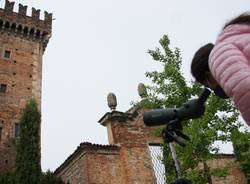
(23, 40)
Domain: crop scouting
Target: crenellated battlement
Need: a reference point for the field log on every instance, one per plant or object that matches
(22, 10)
(28, 27)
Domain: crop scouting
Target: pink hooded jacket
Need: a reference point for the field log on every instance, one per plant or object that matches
(229, 63)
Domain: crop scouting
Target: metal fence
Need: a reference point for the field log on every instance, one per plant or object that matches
(156, 154)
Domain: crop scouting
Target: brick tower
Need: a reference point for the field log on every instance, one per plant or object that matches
(23, 40)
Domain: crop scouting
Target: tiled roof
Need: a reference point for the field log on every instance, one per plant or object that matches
(224, 155)
(84, 146)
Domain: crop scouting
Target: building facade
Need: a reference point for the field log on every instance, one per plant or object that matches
(125, 160)
(23, 40)
(130, 156)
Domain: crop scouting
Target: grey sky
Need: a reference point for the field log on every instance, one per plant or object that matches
(100, 46)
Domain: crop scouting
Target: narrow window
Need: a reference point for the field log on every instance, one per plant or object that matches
(1, 130)
(17, 130)
(3, 88)
(6, 54)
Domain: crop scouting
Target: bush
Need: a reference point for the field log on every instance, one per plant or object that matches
(50, 178)
(8, 178)
(46, 178)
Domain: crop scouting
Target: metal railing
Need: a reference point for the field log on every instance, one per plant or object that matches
(156, 154)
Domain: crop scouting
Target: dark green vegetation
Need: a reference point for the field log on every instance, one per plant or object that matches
(28, 159)
(241, 144)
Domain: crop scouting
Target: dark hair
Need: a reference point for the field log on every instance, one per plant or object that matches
(199, 65)
(241, 19)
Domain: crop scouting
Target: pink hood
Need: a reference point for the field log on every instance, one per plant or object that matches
(229, 63)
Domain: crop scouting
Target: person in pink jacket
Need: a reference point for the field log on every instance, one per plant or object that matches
(225, 66)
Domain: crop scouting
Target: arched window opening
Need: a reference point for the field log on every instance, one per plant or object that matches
(32, 31)
(7, 25)
(1, 23)
(13, 27)
(25, 31)
(19, 29)
(38, 34)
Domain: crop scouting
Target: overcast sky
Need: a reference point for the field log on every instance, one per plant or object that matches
(100, 46)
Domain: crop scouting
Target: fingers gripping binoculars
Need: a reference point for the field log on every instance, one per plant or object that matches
(172, 117)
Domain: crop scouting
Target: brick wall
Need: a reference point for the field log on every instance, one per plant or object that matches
(129, 131)
(23, 40)
(7, 158)
(227, 161)
(92, 163)
(127, 159)
(127, 162)
(104, 167)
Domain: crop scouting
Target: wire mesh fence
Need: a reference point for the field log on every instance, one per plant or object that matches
(156, 154)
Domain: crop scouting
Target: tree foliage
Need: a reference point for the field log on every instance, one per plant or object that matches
(170, 89)
(50, 178)
(46, 178)
(28, 159)
(8, 178)
(241, 144)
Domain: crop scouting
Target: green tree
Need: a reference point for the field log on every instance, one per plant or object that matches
(170, 89)
(28, 166)
(8, 178)
(241, 144)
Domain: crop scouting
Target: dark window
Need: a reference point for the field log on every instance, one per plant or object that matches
(3, 88)
(1, 130)
(6, 54)
(17, 130)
